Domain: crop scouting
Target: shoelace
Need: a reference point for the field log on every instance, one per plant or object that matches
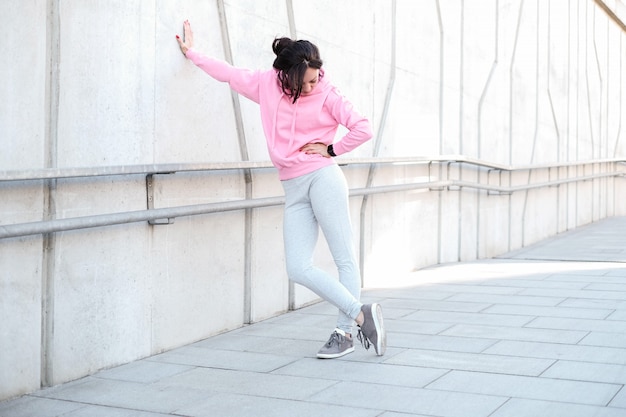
(365, 342)
(335, 338)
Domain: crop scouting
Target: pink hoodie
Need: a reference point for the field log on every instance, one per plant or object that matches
(289, 126)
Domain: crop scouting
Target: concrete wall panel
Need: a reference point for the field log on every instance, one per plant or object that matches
(197, 278)
(23, 113)
(20, 315)
(101, 303)
(106, 83)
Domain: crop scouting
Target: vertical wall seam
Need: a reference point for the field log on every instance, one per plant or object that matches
(621, 89)
(481, 102)
(460, 138)
(536, 130)
(555, 120)
(53, 49)
(568, 118)
(600, 116)
(441, 113)
(611, 15)
(511, 79)
(608, 80)
(589, 104)
(577, 141)
(483, 94)
(291, 19)
(154, 83)
(378, 140)
(243, 151)
(511, 82)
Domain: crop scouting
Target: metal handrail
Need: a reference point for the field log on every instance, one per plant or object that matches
(59, 225)
(146, 169)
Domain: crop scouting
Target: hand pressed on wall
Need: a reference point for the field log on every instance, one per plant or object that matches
(186, 42)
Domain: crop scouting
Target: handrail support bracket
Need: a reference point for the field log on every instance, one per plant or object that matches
(150, 201)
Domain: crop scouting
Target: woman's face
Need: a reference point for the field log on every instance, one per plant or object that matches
(311, 78)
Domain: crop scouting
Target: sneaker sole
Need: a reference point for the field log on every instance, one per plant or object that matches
(335, 355)
(381, 342)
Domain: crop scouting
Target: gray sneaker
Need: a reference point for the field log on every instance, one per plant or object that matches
(372, 331)
(337, 346)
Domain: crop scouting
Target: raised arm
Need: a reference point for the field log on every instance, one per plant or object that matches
(243, 81)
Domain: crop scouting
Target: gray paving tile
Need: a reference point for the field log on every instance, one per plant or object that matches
(595, 286)
(369, 356)
(419, 327)
(123, 394)
(101, 411)
(597, 295)
(385, 373)
(517, 407)
(475, 289)
(262, 344)
(579, 324)
(559, 351)
(470, 318)
(471, 362)
(592, 393)
(142, 371)
(236, 405)
(618, 315)
(617, 272)
(609, 277)
(29, 406)
(444, 343)
(246, 383)
(409, 400)
(419, 293)
(586, 371)
(508, 299)
(284, 331)
(605, 339)
(559, 311)
(535, 282)
(224, 359)
(620, 400)
(412, 305)
(515, 333)
(600, 304)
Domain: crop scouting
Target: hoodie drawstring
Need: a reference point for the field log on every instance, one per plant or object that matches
(292, 135)
(293, 125)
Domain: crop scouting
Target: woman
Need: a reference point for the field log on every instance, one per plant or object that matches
(300, 113)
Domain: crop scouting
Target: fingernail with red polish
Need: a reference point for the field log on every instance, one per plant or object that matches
(177, 37)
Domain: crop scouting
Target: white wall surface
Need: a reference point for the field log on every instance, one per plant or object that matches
(103, 83)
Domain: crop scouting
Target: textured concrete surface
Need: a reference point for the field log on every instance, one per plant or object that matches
(538, 332)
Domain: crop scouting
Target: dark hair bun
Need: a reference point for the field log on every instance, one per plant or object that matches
(280, 44)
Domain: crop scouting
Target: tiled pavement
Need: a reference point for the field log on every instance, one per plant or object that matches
(540, 332)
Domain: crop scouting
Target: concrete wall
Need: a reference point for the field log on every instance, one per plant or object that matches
(100, 83)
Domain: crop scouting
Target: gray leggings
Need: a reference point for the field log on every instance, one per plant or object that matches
(321, 198)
